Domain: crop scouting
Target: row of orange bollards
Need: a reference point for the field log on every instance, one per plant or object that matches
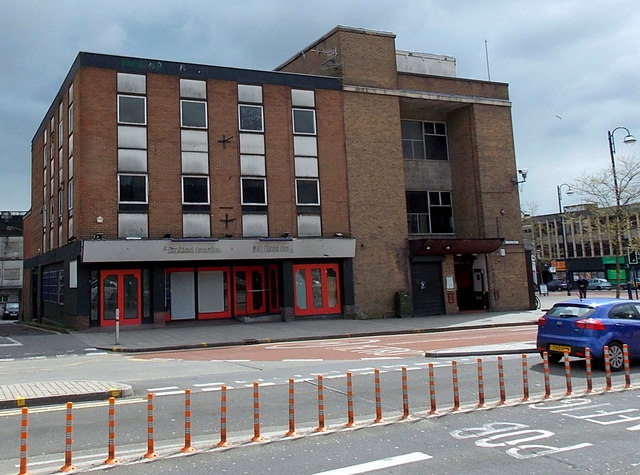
(257, 437)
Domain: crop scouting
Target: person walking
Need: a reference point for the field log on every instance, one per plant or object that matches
(582, 287)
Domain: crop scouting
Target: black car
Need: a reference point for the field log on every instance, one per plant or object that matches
(556, 284)
(11, 310)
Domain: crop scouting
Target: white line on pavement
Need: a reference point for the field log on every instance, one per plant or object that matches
(379, 464)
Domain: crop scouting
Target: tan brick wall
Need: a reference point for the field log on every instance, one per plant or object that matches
(377, 199)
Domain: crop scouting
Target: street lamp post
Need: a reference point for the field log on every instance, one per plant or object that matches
(628, 139)
(564, 233)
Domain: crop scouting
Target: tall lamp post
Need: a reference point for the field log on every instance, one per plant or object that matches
(564, 233)
(628, 139)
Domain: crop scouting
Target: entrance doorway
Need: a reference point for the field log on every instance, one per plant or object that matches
(470, 283)
(426, 280)
(121, 291)
(250, 290)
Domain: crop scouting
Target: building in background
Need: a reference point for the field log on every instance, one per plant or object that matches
(11, 250)
(355, 180)
(578, 243)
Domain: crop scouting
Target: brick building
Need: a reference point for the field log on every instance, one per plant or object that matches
(164, 191)
(10, 256)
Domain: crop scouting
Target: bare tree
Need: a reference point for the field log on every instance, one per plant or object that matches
(614, 221)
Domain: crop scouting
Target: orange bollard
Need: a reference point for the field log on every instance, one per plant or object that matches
(111, 457)
(456, 392)
(432, 390)
(525, 379)
(547, 382)
(292, 410)
(589, 374)
(321, 427)
(503, 396)
(151, 453)
(256, 414)
(480, 383)
(607, 368)
(405, 394)
(350, 418)
(68, 466)
(187, 422)
(567, 373)
(376, 379)
(24, 434)
(627, 367)
(223, 419)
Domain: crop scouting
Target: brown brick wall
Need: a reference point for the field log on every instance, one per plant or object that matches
(447, 85)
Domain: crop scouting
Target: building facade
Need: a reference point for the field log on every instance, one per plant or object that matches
(11, 251)
(578, 242)
(350, 176)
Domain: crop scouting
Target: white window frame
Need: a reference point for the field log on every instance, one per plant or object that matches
(144, 99)
(253, 106)
(317, 191)
(257, 178)
(208, 190)
(206, 118)
(293, 120)
(146, 188)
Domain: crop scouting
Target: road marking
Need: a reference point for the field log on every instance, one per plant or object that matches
(382, 358)
(11, 341)
(302, 360)
(379, 464)
(207, 384)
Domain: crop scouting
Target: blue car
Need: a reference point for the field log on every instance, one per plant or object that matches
(574, 325)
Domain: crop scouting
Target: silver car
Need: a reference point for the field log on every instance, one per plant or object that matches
(599, 284)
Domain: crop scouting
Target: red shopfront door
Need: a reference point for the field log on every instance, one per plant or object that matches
(250, 290)
(120, 290)
(317, 289)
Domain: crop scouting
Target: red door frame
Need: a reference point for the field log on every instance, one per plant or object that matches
(250, 291)
(325, 309)
(120, 274)
(226, 313)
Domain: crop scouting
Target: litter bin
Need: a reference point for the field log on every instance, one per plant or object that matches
(404, 304)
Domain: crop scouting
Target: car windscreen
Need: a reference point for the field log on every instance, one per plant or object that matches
(570, 311)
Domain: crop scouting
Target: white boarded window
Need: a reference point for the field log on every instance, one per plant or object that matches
(254, 225)
(253, 144)
(212, 291)
(196, 225)
(133, 225)
(301, 98)
(194, 141)
(253, 165)
(195, 163)
(132, 160)
(307, 166)
(193, 89)
(132, 83)
(309, 225)
(303, 145)
(247, 93)
(132, 137)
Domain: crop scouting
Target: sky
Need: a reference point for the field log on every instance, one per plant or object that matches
(573, 66)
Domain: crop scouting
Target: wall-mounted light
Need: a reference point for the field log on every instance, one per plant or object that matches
(99, 220)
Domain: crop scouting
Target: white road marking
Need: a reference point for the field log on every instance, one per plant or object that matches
(207, 384)
(162, 389)
(379, 464)
(303, 359)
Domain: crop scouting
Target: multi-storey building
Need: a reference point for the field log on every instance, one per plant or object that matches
(353, 173)
(11, 250)
(578, 242)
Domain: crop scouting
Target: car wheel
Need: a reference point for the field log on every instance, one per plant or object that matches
(616, 357)
(552, 357)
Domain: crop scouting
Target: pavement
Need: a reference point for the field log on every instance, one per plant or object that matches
(206, 334)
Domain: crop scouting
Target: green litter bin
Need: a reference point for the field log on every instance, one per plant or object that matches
(404, 305)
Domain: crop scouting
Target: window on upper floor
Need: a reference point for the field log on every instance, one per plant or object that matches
(254, 191)
(132, 110)
(424, 140)
(195, 190)
(429, 212)
(250, 118)
(193, 114)
(132, 188)
(307, 192)
(304, 121)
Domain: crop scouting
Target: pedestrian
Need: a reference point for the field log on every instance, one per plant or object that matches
(582, 287)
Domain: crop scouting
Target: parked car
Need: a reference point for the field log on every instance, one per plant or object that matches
(11, 311)
(633, 284)
(599, 284)
(574, 325)
(555, 284)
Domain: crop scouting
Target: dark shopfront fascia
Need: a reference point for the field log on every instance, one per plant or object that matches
(175, 280)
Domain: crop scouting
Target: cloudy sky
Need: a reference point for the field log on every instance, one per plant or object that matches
(573, 66)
